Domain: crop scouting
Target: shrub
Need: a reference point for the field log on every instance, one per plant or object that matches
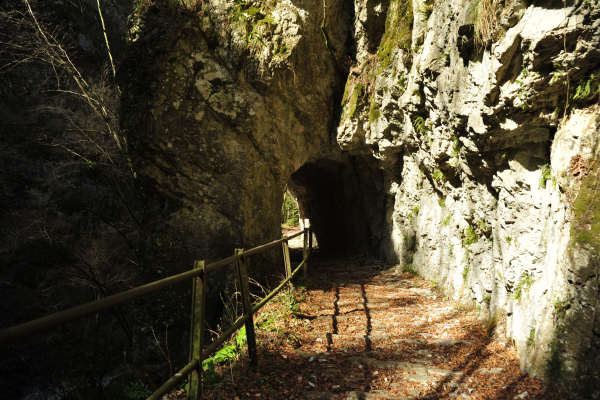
(290, 214)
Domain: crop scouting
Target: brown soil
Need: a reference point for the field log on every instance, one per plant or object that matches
(362, 330)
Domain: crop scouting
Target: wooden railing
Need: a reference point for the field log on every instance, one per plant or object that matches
(199, 279)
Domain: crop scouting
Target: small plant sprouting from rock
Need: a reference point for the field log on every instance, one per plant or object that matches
(420, 126)
(558, 75)
(255, 21)
(470, 236)
(414, 212)
(560, 308)
(524, 283)
(488, 299)
(446, 220)
(438, 176)
(587, 89)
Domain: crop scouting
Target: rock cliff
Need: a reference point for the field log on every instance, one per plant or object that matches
(459, 138)
(491, 109)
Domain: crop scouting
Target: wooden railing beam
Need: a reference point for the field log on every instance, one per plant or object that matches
(241, 267)
(197, 333)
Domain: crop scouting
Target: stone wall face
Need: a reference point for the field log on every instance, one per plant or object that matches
(488, 129)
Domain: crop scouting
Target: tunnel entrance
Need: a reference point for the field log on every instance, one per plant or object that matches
(344, 202)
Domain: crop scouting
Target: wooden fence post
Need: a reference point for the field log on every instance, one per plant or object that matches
(305, 253)
(194, 390)
(286, 259)
(241, 268)
(310, 241)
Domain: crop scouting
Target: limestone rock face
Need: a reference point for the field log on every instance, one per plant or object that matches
(484, 120)
(221, 110)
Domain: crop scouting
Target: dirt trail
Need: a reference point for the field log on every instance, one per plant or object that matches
(366, 331)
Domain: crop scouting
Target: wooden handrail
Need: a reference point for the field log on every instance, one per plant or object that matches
(172, 382)
(23, 331)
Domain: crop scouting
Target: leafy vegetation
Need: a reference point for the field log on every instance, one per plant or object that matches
(442, 202)
(470, 236)
(290, 214)
(560, 308)
(420, 126)
(438, 176)
(588, 89)
(255, 21)
(225, 354)
(524, 283)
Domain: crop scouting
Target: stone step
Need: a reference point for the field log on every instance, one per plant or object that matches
(355, 395)
(386, 338)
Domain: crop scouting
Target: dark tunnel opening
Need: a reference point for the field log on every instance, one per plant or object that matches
(344, 201)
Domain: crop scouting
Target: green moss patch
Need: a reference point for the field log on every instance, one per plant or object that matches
(356, 93)
(398, 31)
(587, 90)
(374, 112)
(585, 226)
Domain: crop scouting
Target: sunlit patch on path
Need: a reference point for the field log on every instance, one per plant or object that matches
(363, 330)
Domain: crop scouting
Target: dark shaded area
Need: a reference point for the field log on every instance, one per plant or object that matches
(375, 24)
(70, 214)
(344, 202)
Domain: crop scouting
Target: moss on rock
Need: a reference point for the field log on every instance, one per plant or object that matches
(398, 31)
(585, 229)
